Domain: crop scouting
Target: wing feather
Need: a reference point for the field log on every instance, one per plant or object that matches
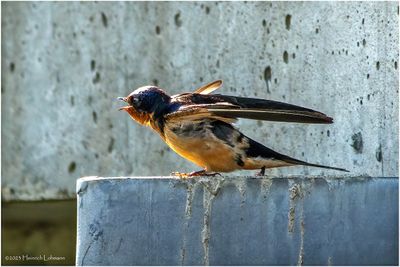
(196, 112)
(274, 115)
(209, 88)
(232, 107)
(270, 110)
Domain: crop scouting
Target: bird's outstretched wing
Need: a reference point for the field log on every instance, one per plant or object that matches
(209, 88)
(232, 107)
(196, 112)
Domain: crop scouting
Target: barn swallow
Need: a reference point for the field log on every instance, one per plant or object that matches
(199, 127)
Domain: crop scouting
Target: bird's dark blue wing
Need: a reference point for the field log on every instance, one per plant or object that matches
(250, 108)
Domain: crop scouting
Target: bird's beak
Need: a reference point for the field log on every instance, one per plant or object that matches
(125, 100)
(124, 108)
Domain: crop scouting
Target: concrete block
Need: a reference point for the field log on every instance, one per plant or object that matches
(237, 221)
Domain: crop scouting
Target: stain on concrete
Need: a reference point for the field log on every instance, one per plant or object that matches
(72, 167)
(189, 198)
(111, 145)
(94, 116)
(96, 78)
(211, 188)
(95, 231)
(12, 66)
(190, 192)
(330, 263)
(240, 185)
(266, 184)
(286, 57)
(104, 19)
(92, 64)
(300, 259)
(205, 233)
(288, 19)
(177, 19)
(378, 154)
(357, 143)
(191, 185)
(295, 193)
(119, 245)
(267, 77)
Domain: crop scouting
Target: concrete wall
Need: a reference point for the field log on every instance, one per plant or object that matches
(63, 64)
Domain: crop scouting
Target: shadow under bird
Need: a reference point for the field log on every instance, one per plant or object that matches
(199, 127)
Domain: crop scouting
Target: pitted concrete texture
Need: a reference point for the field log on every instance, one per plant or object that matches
(237, 221)
(63, 65)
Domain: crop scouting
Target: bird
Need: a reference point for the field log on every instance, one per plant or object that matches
(199, 126)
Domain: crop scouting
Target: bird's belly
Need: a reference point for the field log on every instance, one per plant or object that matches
(205, 151)
(259, 162)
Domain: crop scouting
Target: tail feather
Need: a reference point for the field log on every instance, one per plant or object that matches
(256, 149)
(300, 162)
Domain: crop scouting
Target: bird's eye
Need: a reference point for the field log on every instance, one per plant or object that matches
(136, 101)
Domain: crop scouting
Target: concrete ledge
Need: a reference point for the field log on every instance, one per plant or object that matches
(237, 221)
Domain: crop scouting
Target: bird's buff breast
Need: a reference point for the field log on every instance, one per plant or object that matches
(202, 148)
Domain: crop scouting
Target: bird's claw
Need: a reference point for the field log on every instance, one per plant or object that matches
(183, 175)
(213, 174)
(261, 172)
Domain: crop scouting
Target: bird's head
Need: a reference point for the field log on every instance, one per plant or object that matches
(145, 103)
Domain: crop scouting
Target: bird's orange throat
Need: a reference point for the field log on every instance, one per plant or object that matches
(143, 119)
(139, 117)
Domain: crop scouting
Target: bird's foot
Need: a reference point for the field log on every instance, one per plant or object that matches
(204, 173)
(181, 175)
(184, 175)
(261, 172)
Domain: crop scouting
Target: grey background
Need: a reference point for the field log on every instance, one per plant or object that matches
(63, 65)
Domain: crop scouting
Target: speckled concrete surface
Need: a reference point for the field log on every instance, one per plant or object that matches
(63, 64)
